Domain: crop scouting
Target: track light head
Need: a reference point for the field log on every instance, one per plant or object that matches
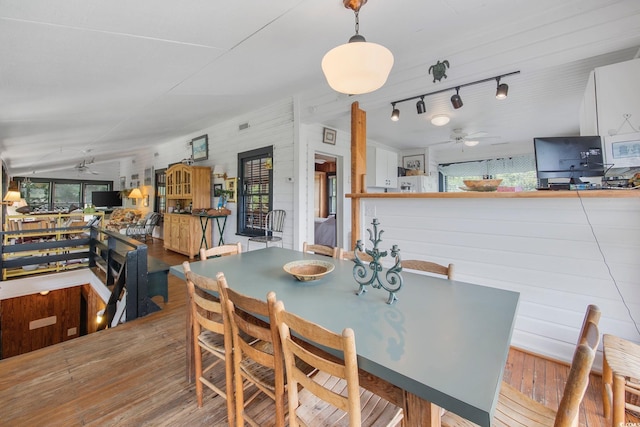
(456, 101)
(420, 106)
(501, 90)
(395, 114)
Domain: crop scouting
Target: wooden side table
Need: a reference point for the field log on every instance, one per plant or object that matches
(620, 374)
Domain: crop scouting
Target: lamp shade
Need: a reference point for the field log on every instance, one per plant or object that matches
(357, 67)
(135, 194)
(218, 170)
(13, 193)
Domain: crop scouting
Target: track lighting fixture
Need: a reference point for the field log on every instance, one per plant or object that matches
(456, 100)
(501, 89)
(395, 114)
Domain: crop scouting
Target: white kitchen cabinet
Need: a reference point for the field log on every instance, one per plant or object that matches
(382, 168)
(610, 108)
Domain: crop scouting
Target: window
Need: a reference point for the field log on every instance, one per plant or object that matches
(90, 188)
(517, 173)
(44, 195)
(161, 191)
(332, 188)
(255, 190)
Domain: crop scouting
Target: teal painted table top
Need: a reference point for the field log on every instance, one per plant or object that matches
(444, 341)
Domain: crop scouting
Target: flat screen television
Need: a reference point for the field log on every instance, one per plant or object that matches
(569, 157)
(106, 199)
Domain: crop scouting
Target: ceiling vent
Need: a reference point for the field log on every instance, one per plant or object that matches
(243, 126)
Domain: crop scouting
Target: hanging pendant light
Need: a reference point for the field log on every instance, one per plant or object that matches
(358, 66)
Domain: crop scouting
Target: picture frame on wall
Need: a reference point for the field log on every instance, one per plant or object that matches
(200, 148)
(217, 190)
(329, 136)
(415, 162)
(230, 185)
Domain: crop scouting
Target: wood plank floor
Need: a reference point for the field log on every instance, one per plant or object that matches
(134, 375)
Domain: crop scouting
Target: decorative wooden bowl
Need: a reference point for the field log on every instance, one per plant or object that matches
(482, 184)
(307, 270)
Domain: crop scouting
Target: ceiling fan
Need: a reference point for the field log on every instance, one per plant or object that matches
(83, 167)
(469, 139)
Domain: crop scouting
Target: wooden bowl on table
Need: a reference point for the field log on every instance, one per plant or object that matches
(482, 184)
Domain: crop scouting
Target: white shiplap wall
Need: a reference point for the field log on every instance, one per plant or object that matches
(272, 125)
(560, 254)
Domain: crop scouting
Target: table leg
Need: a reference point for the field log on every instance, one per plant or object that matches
(419, 412)
(221, 230)
(203, 225)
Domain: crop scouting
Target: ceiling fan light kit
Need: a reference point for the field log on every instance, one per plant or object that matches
(358, 66)
(456, 100)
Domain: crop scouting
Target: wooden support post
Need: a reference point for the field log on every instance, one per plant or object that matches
(358, 165)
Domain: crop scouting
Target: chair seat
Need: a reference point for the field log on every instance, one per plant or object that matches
(375, 410)
(212, 342)
(514, 409)
(265, 239)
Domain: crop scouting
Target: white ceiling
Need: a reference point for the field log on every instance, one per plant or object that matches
(104, 79)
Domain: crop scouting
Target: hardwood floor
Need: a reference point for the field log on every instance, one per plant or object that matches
(134, 375)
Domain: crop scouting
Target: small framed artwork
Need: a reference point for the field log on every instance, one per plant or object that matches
(200, 148)
(217, 190)
(415, 162)
(329, 136)
(230, 185)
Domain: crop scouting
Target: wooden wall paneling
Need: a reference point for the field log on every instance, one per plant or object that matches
(54, 318)
(93, 305)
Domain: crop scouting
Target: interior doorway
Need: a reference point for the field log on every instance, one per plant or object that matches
(326, 204)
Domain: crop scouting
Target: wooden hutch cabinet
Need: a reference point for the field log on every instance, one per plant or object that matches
(187, 188)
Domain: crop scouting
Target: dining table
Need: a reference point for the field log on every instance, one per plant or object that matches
(442, 344)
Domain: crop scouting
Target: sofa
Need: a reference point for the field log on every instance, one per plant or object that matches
(121, 218)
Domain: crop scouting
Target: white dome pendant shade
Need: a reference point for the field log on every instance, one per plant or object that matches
(357, 67)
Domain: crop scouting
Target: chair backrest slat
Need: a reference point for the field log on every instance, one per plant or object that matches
(429, 267)
(320, 249)
(222, 250)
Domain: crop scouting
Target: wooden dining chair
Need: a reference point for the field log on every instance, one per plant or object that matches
(429, 267)
(517, 409)
(620, 379)
(222, 250)
(332, 396)
(257, 355)
(211, 336)
(320, 250)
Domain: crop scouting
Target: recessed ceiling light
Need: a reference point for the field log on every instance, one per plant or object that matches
(440, 120)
